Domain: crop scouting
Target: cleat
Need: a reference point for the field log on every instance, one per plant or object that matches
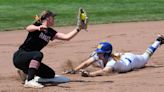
(161, 39)
(32, 84)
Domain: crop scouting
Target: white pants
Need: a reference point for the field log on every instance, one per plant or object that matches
(131, 61)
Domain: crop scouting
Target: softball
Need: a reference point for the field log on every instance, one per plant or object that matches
(83, 16)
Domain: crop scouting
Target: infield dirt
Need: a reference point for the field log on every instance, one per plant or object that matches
(125, 37)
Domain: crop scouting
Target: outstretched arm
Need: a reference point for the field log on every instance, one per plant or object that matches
(68, 36)
(81, 66)
(85, 64)
(82, 23)
(101, 72)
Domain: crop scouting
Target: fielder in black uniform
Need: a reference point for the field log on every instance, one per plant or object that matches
(29, 56)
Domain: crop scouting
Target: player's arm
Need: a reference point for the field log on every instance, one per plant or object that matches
(81, 66)
(105, 71)
(68, 36)
(82, 23)
(101, 72)
(85, 64)
(32, 28)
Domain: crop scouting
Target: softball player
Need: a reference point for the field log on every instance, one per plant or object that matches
(29, 56)
(109, 62)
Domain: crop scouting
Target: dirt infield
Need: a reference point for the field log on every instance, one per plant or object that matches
(125, 37)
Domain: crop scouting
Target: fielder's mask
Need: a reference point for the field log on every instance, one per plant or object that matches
(105, 48)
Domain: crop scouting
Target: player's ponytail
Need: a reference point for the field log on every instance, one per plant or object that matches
(116, 57)
(44, 15)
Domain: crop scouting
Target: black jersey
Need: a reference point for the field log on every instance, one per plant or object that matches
(36, 40)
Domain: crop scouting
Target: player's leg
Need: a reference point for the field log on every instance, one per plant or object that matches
(21, 65)
(47, 75)
(34, 64)
(45, 71)
(22, 75)
(151, 49)
(28, 62)
(141, 60)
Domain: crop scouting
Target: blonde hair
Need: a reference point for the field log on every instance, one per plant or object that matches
(116, 57)
(43, 15)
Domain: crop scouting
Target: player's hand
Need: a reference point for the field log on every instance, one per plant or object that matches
(82, 19)
(42, 27)
(85, 73)
(70, 71)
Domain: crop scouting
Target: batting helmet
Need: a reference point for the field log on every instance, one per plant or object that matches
(104, 47)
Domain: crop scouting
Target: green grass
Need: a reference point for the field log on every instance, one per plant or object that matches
(17, 14)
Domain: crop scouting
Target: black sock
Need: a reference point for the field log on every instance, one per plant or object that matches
(31, 73)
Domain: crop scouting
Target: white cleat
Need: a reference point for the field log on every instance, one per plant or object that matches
(33, 84)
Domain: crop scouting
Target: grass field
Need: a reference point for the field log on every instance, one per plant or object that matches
(17, 14)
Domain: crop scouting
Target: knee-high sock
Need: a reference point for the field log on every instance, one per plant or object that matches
(33, 67)
(151, 49)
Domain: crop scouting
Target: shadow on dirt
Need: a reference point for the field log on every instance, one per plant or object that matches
(74, 81)
(84, 81)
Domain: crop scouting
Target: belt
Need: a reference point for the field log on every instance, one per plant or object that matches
(128, 60)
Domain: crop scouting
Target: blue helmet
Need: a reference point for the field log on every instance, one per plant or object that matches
(104, 47)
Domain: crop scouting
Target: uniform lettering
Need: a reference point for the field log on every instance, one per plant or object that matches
(44, 37)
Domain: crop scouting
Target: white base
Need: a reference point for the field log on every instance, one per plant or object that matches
(56, 79)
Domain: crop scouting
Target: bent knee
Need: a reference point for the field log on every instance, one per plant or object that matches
(38, 56)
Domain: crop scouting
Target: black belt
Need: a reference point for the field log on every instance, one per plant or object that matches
(128, 60)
